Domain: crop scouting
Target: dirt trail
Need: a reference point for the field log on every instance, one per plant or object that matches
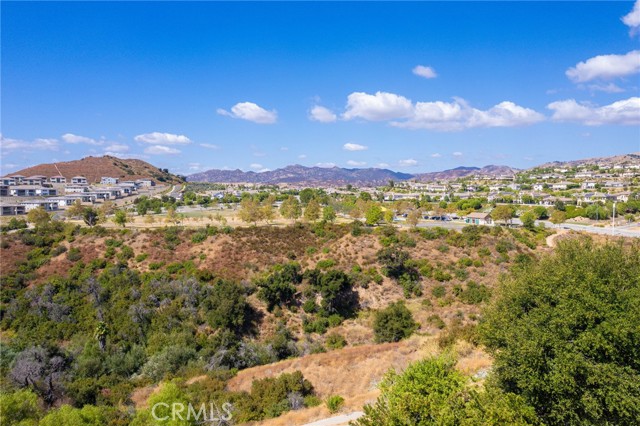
(551, 239)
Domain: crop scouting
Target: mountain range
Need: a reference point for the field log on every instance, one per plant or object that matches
(298, 174)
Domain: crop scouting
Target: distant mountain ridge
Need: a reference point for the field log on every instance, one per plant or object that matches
(614, 160)
(94, 168)
(298, 174)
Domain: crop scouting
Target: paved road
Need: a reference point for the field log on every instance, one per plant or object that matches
(619, 230)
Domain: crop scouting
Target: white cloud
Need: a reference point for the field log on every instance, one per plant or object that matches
(74, 139)
(626, 112)
(607, 88)
(302, 156)
(458, 115)
(423, 71)
(194, 166)
(322, 114)
(632, 19)
(250, 112)
(8, 145)
(382, 165)
(326, 165)
(117, 147)
(209, 146)
(356, 163)
(436, 155)
(408, 163)
(457, 154)
(161, 150)
(284, 148)
(350, 146)
(158, 138)
(256, 166)
(605, 67)
(125, 155)
(379, 107)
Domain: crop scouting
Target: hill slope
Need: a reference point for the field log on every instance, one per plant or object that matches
(93, 168)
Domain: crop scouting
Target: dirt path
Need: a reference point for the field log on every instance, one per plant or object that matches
(551, 239)
(341, 420)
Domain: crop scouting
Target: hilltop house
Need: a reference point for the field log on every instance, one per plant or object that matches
(58, 179)
(105, 180)
(79, 180)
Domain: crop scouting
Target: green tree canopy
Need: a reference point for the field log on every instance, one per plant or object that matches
(565, 334)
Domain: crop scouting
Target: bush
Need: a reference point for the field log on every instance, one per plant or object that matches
(141, 257)
(335, 341)
(439, 291)
(393, 323)
(335, 403)
(475, 294)
(199, 237)
(74, 254)
(440, 275)
(436, 321)
(326, 263)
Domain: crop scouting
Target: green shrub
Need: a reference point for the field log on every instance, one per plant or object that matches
(335, 403)
(335, 341)
(393, 323)
(74, 254)
(436, 321)
(439, 291)
(326, 263)
(440, 275)
(141, 257)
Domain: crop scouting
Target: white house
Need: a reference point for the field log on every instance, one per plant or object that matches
(538, 186)
(12, 209)
(31, 191)
(35, 180)
(146, 182)
(105, 180)
(74, 189)
(79, 180)
(58, 179)
(588, 185)
(47, 205)
(477, 218)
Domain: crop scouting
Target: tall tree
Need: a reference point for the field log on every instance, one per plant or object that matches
(39, 217)
(290, 208)
(312, 211)
(564, 334)
(121, 218)
(503, 212)
(328, 214)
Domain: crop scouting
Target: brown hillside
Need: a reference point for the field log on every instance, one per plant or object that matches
(93, 168)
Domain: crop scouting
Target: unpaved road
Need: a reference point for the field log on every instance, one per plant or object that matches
(340, 420)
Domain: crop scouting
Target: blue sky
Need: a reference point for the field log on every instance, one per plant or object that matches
(417, 86)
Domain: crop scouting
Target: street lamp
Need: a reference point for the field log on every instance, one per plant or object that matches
(613, 229)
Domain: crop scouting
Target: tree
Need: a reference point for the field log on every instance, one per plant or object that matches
(432, 392)
(578, 308)
(528, 220)
(90, 216)
(388, 216)
(557, 217)
(268, 212)
(39, 217)
(504, 213)
(120, 218)
(41, 370)
(393, 323)
(373, 215)
(541, 212)
(226, 306)
(67, 415)
(278, 288)
(290, 208)
(312, 212)
(329, 214)
(250, 211)
(413, 217)
(306, 195)
(20, 408)
(172, 216)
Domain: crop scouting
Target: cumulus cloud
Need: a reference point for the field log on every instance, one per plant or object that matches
(9, 145)
(161, 150)
(117, 147)
(382, 165)
(250, 112)
(256, 166)
(436, 155)
(379, 107)
(632, 19)
(457, 154)
(209, 146)
(356, 163)
(350, 146)
(605, 67)
(424, 71)
(74, 139)
(326, 165)
(410, 162)
(158, 138)
(194, 166)
(626, 112)
(322, 114)
(302, 156)
(458, 115)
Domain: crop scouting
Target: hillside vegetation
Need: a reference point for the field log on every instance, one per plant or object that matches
(98, 325)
